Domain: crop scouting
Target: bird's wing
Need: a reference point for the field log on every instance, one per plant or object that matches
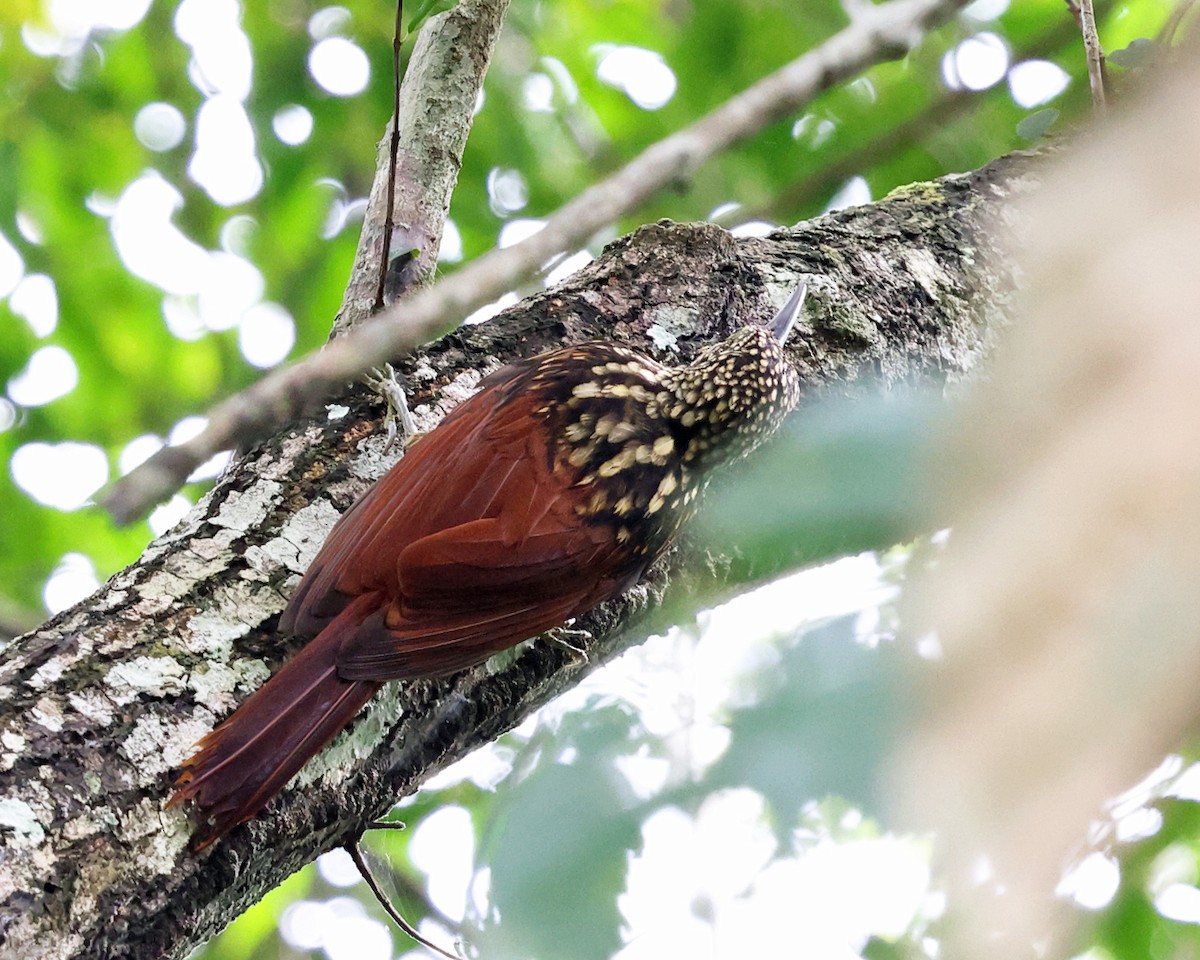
(471, 542)
(483, 586)
(475, 589)
(445, 479)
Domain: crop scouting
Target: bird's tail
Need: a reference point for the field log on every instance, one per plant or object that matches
(244, 762)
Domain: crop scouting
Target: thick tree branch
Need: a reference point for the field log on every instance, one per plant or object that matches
(877, 34)
(100, 703)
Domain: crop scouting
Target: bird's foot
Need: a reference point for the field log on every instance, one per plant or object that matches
(386, 383)
(571, 640)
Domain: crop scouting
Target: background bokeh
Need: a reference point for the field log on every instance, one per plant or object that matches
(180, 191)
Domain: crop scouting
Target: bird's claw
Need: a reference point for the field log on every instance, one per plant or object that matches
(386, 383)
(569, 638)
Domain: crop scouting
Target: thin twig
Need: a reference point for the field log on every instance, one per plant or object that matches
(402, 884)
(1094, 53)
(387, 825)
(398, 918)
(885, 32)
(389, 223)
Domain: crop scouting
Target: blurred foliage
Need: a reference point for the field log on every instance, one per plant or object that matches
(847, 474)
(558, 836)
(1131, 926)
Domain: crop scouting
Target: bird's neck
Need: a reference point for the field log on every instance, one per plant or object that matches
(727, 400)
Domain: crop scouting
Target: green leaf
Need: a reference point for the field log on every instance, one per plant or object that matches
(557, 852)
(825, 727)
(1140, 53)
(425, 10)
(1037, 124)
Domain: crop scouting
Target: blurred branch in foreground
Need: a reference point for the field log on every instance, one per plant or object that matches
(1066, 602)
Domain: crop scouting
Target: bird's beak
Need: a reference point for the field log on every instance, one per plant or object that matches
(785, 319)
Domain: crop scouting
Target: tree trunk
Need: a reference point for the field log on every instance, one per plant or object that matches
(105, 699)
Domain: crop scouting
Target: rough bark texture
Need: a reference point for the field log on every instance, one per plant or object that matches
(98, 705)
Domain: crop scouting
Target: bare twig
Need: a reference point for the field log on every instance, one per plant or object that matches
(881, 33)
(397, 917)
(1094, 53)
(393, 156)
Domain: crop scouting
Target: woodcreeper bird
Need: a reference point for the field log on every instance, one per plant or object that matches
(547, 492)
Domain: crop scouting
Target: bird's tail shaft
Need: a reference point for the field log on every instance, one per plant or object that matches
(244, 762)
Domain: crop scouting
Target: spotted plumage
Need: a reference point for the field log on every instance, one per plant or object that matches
(636, 439)
(547, 492)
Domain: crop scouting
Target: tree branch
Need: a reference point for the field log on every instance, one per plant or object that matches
(100, 703)
(436, 108)
(880, 33)
(1085, 14)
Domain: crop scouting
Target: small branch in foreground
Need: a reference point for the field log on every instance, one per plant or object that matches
(881, 33)
(390, 908)
(393, 154)
(1085, 13)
